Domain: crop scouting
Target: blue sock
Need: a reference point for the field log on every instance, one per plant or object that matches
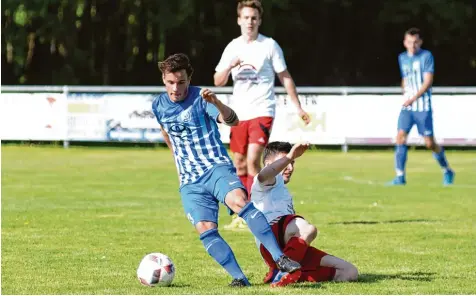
(441, 158)
(222, 253)
(401, 152)
(260, 228)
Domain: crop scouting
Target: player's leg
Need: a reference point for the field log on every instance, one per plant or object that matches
(424, 121)
(239, 160)
(202, 211)
(239, 147)
(253, 162)
(344, 271)
(320, 267)
(294, 235)
(317, 265)
(405, 124)
(232, 193)
(236, 200)
(298, 236)
(272, 267)
(301, 228)
(259, 131)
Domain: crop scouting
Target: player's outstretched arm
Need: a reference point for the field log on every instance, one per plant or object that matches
(227, 115)
(288, 83)
(268, 174)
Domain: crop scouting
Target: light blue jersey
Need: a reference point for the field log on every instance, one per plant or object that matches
(412, 69)
(192, 128)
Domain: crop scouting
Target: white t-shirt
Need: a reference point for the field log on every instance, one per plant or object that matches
(273, 200)
(253, 88)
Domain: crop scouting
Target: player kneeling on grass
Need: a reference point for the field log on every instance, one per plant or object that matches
(293, 233)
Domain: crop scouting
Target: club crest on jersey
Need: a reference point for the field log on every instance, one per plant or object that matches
(186, 115)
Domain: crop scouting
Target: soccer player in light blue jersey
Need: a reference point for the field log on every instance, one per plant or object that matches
(417, 69)
(188, 117)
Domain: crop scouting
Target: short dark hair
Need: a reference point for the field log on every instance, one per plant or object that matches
(175, 63)
(412, 32)
(256, 4)
(275, 148)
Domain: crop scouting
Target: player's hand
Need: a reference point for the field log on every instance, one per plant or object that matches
(304, 116)
(235, 62)
(209, 96)
(409, 102)
(298, 150)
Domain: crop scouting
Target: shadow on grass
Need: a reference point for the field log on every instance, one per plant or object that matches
(179, 285)
(406, 276)
(366, 278)
(385, 222)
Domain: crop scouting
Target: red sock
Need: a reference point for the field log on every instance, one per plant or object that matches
(314, 255)
(312, 271)
(267, 257)
(296, 249)
(249, 182)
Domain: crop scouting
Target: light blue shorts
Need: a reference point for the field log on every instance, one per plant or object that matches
(200, 199)
(423, 121)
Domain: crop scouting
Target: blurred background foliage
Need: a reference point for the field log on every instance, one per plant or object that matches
(326, 42)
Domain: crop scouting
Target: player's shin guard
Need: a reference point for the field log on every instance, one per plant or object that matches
(222, 253)
(441, 158)
(296, 249)
(401, 152)
(260, 229)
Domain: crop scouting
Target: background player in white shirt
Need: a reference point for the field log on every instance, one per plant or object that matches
(293, 233)
(253, 61)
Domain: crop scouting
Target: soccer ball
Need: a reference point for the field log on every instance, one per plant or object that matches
(156, 269)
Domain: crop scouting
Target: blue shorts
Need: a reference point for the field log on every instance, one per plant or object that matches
(200, 199)
(423, 121)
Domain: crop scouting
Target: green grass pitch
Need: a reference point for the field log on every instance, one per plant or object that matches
(78, 221)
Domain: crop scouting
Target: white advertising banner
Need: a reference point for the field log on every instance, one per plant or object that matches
(33, 116)
(86, 118)
(129, 117)
(324, 128)
(335, 119)
(367, 120)
(112, 117)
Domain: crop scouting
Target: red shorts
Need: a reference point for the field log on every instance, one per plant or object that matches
(310, 265)
(253, 131)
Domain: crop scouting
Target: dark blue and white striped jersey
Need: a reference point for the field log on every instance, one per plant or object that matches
(412, 69)
(192, 128)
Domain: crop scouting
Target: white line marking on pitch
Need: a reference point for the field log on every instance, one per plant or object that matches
(367, 182)
(370, 182)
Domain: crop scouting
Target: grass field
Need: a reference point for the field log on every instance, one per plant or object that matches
(78, 221)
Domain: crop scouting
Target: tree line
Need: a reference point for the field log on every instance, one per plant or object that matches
(325, 42)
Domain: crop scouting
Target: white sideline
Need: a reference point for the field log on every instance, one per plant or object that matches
(373, 183)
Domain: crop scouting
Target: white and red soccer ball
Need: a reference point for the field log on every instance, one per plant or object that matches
(156, 269)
